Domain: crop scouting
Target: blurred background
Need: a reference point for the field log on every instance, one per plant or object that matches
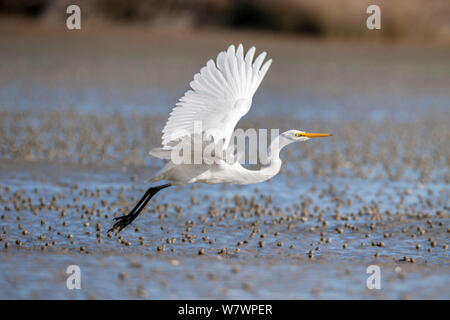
(426, 20)
(136, 58)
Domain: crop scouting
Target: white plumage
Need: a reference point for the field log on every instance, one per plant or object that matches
(221, 94)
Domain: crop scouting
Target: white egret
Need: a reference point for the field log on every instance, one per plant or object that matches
(221, 95)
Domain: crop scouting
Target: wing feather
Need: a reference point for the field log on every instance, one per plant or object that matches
(220, 94)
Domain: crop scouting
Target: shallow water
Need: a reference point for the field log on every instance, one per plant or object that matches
(176, 270)
(74, 155)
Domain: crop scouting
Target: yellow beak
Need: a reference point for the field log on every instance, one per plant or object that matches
(313, 135)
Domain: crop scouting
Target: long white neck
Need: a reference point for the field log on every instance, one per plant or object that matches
(273, 167)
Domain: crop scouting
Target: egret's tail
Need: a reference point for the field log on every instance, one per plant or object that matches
(160, 153)
(161, 174)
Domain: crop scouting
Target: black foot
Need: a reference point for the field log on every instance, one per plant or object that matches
(122, 222)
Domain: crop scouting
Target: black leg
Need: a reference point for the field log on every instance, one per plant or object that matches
(125, 220)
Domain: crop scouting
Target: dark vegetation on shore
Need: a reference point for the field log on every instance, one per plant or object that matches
(401, 19)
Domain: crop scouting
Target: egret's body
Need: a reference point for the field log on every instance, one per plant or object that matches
(221, 95)
(221, 171)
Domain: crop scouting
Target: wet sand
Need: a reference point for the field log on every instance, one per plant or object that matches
(80, 112)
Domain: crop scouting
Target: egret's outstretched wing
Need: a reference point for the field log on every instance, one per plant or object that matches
(221, 94)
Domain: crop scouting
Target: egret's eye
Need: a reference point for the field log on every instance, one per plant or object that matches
(300, 134)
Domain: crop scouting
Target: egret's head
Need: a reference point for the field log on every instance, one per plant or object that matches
(297, 135)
